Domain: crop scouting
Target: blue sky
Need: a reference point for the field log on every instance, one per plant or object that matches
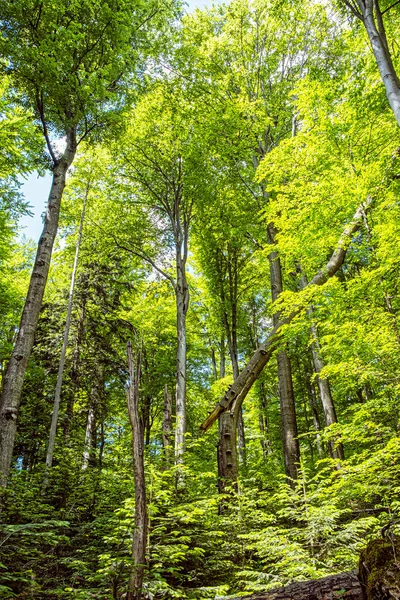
(36, 190)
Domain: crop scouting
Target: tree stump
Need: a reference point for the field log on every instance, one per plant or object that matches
(344, 586)
(379, 570)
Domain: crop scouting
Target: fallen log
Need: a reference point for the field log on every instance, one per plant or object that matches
(345, 586)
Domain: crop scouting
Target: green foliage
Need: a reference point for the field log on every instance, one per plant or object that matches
(254, 114)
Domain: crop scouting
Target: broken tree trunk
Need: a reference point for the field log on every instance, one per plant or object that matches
(242, 385)
(344, 585)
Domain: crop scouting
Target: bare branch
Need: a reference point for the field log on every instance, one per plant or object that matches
(40, 107)
(390, 7)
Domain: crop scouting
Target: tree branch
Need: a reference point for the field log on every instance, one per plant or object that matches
(40, 107)
(390, 7)
(242, 385)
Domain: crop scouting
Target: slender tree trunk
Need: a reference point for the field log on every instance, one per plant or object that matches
(315, 416)
(335, 450)
(213, 363)
(57, 395)
(96, 394)
(74, 375)
(222, 358)
(15, 373)
(182, 302)
(89, 437)
(377, 37)
(167, 426)
(330, 417)
(291, 448)
(135, 585)
(263, 421)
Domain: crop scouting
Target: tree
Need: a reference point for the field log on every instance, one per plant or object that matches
(73, 82)
(371, 15)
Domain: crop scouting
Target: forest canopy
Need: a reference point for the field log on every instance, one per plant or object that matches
(199, 360)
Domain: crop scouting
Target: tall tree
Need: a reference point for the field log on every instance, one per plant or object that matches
(74, 82)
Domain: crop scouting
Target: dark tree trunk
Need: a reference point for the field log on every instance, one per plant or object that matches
(227, 454)
(227, 458)
(291, 448)
(135, 585)
(15, 373)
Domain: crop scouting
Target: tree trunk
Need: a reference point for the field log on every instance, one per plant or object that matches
(377, 38)
(96, 394)
(291, 448)
(57, 395)
(135, 585)
(263, 421)
(15, 373)
(167, 426)
(241, 387)
(227, 453)
(182, 301)
(222, 358)
(335, 450)
(330, 417)
(227, 459)
(315, 416)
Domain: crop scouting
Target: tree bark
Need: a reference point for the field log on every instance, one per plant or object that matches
(167, 426)
(335, 449)
(57, 395)
(139, 545)
(291, 447)
(343, 585)
(315, 416)
(371, 16)
(96, 394)
(263, 421)
(240, 388)
(182, 304)
(330, 417)
(15, 373)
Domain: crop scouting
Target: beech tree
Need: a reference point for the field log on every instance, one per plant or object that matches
(71, 63)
